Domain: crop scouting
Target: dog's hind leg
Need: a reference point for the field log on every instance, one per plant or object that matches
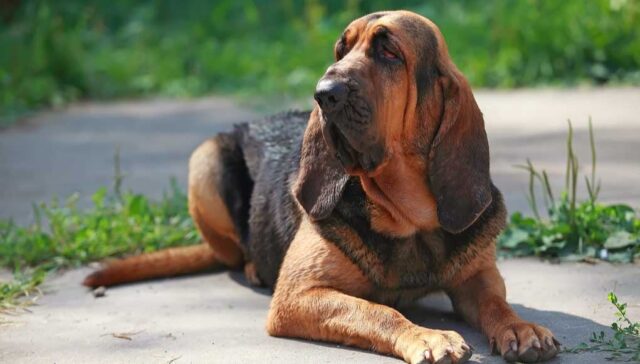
(219, 193)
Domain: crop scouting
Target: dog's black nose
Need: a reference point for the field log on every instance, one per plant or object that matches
(330, 94)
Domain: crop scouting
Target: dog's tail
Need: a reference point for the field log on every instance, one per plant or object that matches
(163, 263)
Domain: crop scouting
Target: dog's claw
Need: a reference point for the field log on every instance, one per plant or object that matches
(525, 342)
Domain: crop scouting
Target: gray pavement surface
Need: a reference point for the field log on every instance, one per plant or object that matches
(216, 318)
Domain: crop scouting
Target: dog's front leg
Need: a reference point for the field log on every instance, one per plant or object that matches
(480, 297)
(316, 298)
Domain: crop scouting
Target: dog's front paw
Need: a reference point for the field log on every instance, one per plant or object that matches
(421, 345)
(524, 342)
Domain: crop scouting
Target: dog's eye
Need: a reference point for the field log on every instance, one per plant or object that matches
(387, 54)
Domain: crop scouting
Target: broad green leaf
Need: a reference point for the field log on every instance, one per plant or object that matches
(620, 239)
(513, 237)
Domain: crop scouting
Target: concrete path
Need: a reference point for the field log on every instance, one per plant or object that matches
(215, 318)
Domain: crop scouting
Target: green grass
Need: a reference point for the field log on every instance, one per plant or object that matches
(55, 52)
(22, 291)
(65, 236)
(572, 229)
(115, 225)
(625, 343)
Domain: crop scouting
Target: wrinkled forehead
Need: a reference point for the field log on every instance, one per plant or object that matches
(414, 32)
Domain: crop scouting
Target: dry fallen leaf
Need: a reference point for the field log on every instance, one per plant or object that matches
(124, 335)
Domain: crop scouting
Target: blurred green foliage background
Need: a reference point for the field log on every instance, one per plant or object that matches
(53, 52)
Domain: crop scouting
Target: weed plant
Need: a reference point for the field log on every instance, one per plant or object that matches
(572, 229)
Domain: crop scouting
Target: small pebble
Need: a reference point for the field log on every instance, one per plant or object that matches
(99, 292)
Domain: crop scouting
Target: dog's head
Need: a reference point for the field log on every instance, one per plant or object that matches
(392, 92)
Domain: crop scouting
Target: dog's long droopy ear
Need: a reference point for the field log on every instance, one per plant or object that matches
(459, 156)
(321, 179)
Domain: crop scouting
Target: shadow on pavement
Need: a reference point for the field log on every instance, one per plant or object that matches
(239, 278)
(436, 312)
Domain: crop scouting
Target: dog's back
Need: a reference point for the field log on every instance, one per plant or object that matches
(271, 150)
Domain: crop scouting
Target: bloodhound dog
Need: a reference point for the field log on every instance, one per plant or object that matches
(377, 197)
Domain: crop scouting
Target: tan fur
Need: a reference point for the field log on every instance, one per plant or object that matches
(481, 300)
(403, 202)
(318, 297)
(207, 208)
(251, 274)
(164, 263)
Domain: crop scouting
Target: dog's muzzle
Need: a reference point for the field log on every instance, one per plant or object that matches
(347, 127)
